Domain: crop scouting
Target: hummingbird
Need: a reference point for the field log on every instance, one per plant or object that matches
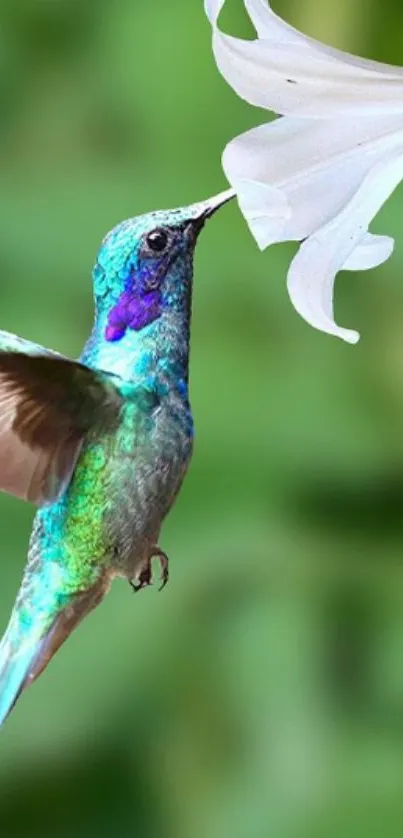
(101, 445)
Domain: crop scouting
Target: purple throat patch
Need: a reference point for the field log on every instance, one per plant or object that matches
(132, 311)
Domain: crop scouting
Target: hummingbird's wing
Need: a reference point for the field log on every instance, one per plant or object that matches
(13, 343)
(48, 405)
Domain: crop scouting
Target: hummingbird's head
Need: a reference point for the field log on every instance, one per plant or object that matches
(145, 265)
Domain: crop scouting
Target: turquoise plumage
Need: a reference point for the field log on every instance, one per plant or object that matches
(100, 445)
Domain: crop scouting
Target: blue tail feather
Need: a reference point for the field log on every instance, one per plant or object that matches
(17, 660)
(26, 651)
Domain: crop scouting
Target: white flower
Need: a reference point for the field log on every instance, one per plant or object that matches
(321, 172)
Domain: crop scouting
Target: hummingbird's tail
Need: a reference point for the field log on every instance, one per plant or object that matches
(25, 652)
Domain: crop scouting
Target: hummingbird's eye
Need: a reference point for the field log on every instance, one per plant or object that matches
(158, 240)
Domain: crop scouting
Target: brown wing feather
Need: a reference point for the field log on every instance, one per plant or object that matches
(47, 406)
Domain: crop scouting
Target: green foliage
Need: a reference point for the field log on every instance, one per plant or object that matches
(261, 695)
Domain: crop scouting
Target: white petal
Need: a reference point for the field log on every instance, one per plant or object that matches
(265, 208)
(270, 26)
(373, 251)
(317, 165)
(213, 9)
(288, 73)
(312, 272)
(310, 286)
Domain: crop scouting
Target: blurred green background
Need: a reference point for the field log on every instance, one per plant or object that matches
(261, 695)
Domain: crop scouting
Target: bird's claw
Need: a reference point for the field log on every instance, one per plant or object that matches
(145, 578)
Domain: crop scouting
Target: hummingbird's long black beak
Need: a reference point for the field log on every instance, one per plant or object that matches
(199, 213)
(209, 207)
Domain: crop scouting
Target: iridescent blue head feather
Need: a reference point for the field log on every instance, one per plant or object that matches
(145, 267)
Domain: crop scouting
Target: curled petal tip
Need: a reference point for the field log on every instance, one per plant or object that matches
(351, 336)
(372, 252)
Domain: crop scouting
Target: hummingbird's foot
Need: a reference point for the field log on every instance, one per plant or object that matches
(164, 562)
(143, 579)
(145, 576)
